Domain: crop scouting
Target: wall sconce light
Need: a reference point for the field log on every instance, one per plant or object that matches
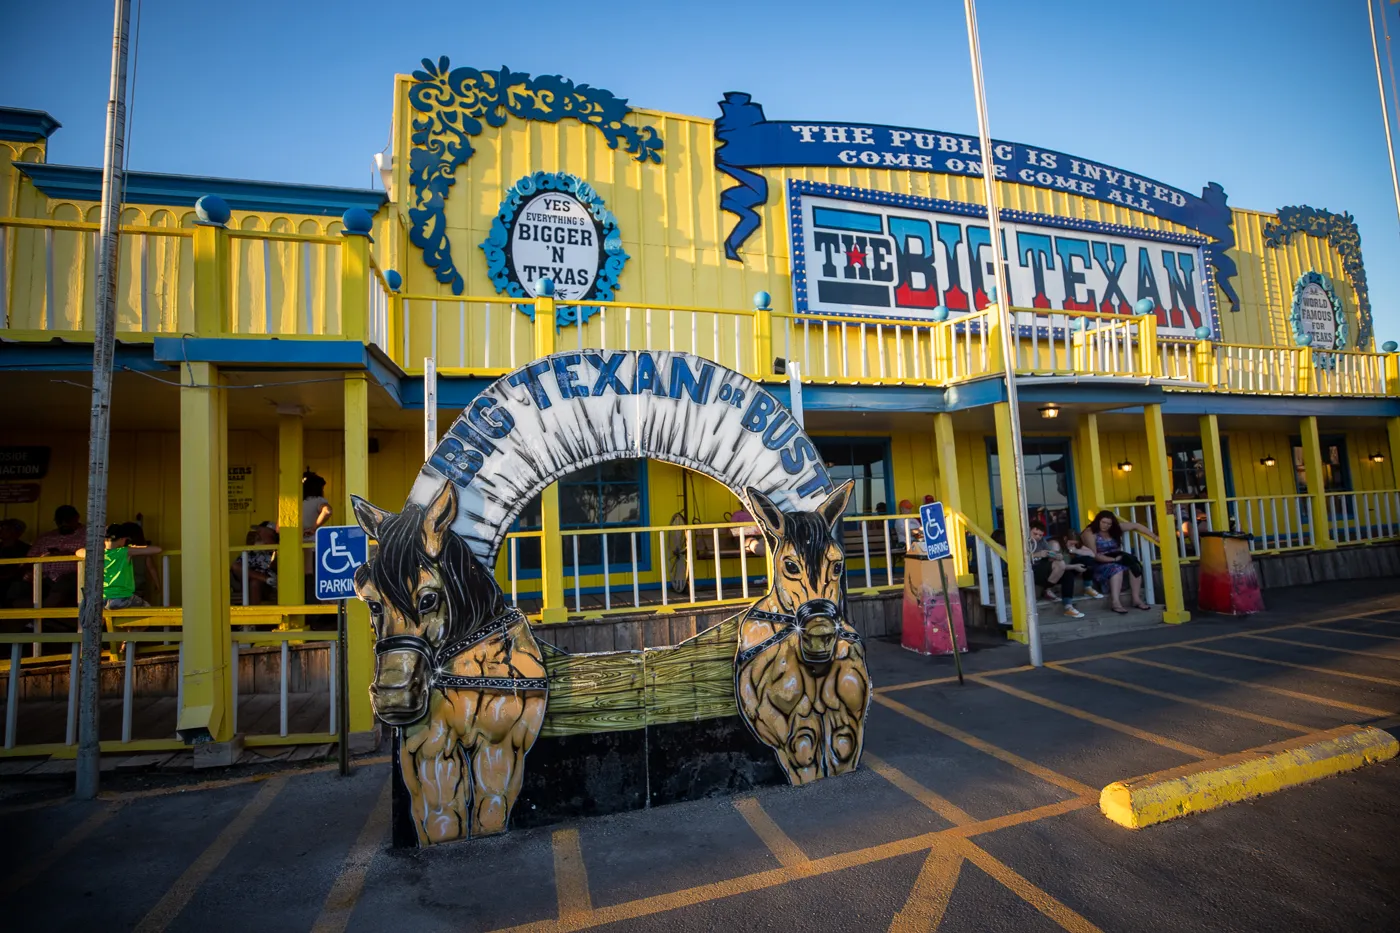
(1050, 411)
(1267, 461)
(1378, 457)
(1126, 466)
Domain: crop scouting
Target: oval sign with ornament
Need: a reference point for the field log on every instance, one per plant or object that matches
(1318, 320)
(554, 225)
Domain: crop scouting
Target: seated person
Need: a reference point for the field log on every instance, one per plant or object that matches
(59, 579)
(1049, 567)
(118, 581)
(14, 591)
(262, 573)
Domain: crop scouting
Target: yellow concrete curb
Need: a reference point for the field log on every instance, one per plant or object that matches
(1205, 785)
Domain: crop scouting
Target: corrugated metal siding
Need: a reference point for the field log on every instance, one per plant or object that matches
(673, 229)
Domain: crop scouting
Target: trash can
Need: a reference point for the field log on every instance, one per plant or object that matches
(925, 614)
(1228, 582)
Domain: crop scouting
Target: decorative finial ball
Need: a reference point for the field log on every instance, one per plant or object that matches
(357, 221)
(394, 279)
(761, 301)
(1390, 346)
(992, 294)
(212, 209)
(940, 313)
(544, 288)
(1305, 340)
(1203, 332)
(1144, 306)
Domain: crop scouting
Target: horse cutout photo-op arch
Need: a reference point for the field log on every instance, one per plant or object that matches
(470, 689)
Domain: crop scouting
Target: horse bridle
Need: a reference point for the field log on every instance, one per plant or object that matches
(440, 658)
(791, 624)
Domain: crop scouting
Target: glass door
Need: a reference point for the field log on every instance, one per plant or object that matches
(1049, 483)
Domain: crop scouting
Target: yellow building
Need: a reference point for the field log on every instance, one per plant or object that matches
(1186, 364)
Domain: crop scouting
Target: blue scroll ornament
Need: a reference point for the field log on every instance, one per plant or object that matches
(1341, 232)
(454, 103)
(494, 246)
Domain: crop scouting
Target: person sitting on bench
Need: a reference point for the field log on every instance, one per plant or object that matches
(1049, 567)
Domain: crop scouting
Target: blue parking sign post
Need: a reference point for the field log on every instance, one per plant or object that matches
(340, 551)
(938, 547)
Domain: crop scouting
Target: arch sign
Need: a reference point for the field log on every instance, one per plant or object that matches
(469, 687)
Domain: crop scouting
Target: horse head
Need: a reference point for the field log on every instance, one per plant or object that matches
(809, 568)
(425, 590)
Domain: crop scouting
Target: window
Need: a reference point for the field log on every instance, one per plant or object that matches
(1048, 497)
(1336, 476)
(1188, 464)
(606, 495)
(868, 463)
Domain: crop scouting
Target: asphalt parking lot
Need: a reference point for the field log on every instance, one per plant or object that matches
(976, 809)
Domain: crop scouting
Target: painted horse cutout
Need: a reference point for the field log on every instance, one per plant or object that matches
(456, 670)
(799, 672)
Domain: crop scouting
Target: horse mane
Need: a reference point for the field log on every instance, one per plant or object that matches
(809, 534)
(473, 595)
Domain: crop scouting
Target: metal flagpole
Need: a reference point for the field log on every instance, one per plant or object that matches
(430, 432)
(1385, 111)
(1007, 322)
(103, 346)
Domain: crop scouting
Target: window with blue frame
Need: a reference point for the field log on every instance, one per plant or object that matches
(1049, 483)
(1336, 477)
(1188, 463)
(602, 496)
(867, 461)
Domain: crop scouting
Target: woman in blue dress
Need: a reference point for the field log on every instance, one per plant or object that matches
(1112, 563)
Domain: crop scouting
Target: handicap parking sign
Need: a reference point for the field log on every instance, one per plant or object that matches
(340, 550)
(935, 530)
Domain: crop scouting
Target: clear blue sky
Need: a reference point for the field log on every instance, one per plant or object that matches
(1274, 99)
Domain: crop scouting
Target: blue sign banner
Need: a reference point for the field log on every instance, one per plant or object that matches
(935, 530)
(340, 550)
(748, 140)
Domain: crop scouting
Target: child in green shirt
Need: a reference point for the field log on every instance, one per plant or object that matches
(118, 580)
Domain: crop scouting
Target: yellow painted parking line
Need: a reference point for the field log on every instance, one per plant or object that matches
(1097, 720)
(1311, 644)
(933, 889)
(773, 877)
(787, 852)
(1352, 631)
(1178, 698)
(571, 877)
(70, 841)
(936, 681)
(1016, 761)
(1281, 691)
(1028, 892)
(175, 899)
(936, 802)
(1298, 667)
(345, 893)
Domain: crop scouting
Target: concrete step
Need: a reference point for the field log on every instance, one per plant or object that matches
(1098, 620)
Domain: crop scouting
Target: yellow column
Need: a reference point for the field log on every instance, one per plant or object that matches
(551, 542)
(1160, 467)
(1317, 484)
(1092, 486)
(290, 464)
(949, 491)
(763, 337)
(354, 286)
(1148, 363)
(1014, 523)
(211, 287)
(359, 654)
(204, 562)
(1214, 453)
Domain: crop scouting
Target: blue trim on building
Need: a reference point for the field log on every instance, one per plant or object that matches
(80, 183)
(1290, 407)
(26, 126)
(75, 358)
(271, 352)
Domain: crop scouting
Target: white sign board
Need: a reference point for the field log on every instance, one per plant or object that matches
(883, 259)
(1317, 317)
(554, 236)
